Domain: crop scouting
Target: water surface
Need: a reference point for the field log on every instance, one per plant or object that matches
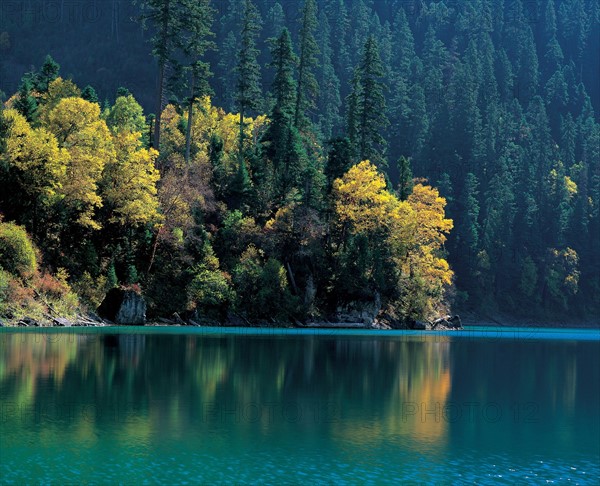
(173, 405)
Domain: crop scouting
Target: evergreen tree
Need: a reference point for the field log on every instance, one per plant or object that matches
(405, 179)
(307, 88)
(337, 15)
(248, 71)
(284, 63)
(329, 101)
(165, 17)
(26, 103)
(89, 93)
(283, 143)
(48, 73)
(195, 43)
(371, 118)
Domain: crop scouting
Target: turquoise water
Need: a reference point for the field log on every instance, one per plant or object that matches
(210, 405)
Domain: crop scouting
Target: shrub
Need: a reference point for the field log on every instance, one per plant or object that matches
(17, 253)
(262, 288)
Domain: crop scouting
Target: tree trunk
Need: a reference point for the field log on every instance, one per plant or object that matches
(188, 132)
(161, 82)
(241, 141)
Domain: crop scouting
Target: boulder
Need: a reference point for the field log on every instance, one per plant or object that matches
(381, 325)
(420, 326)
(447, 323)
(359, 311)
(27, 322)
(60, 322)
(125, 307)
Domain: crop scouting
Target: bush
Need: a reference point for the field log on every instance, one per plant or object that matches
(56, 291)
(91, 290)
(17, 253)
(210, 292)
(16, 300)
(262, 288)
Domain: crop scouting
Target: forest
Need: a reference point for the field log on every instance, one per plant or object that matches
(282, 160)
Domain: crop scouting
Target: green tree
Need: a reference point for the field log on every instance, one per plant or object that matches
(368, 92)
(89, 94)
(126, 115)
(405, 179)
(248, 71)
(329, 101)
(48, 73)
(165, 16)
(197, 24)
(307, 86)
(26, 103)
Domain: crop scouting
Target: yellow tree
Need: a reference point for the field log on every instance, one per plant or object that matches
(363, 202)
(36, 166)
(57, 90)
(128, 187)
(425, 273)
(410, 234)
(376, 230)
(77, 126)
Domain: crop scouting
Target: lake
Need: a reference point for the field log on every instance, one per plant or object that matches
(189, 406)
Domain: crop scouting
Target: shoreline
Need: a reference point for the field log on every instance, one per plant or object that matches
(470, 319)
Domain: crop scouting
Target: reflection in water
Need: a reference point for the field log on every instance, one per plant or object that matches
(369, 401)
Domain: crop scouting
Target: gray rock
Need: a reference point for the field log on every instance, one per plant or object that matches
(94, 317)
(447, 323)
(124, 307)
(381, 325)
(27, 322)
(364, 311)
(60, 322)
(420, 326)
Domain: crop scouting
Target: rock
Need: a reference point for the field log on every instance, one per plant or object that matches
(382, 325)
(60, 322)
(28, 322)
(447, 323)
(1, 323)
(123, 307)
(455, 320)
(420, 326)
(361, 311)
(94, 317)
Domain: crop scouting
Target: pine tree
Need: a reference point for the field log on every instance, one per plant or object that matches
(165, 18)
(248, 71)
(48, 73)
(405, 179)
(26, 103)
(284, 63)
(329, 101)
(337, 14)
(274, 24)
(370, 105)
(89, 94)
(284, 146)
(308, 87)
(195, 44)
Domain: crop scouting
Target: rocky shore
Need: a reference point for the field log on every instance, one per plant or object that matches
(123, 307)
